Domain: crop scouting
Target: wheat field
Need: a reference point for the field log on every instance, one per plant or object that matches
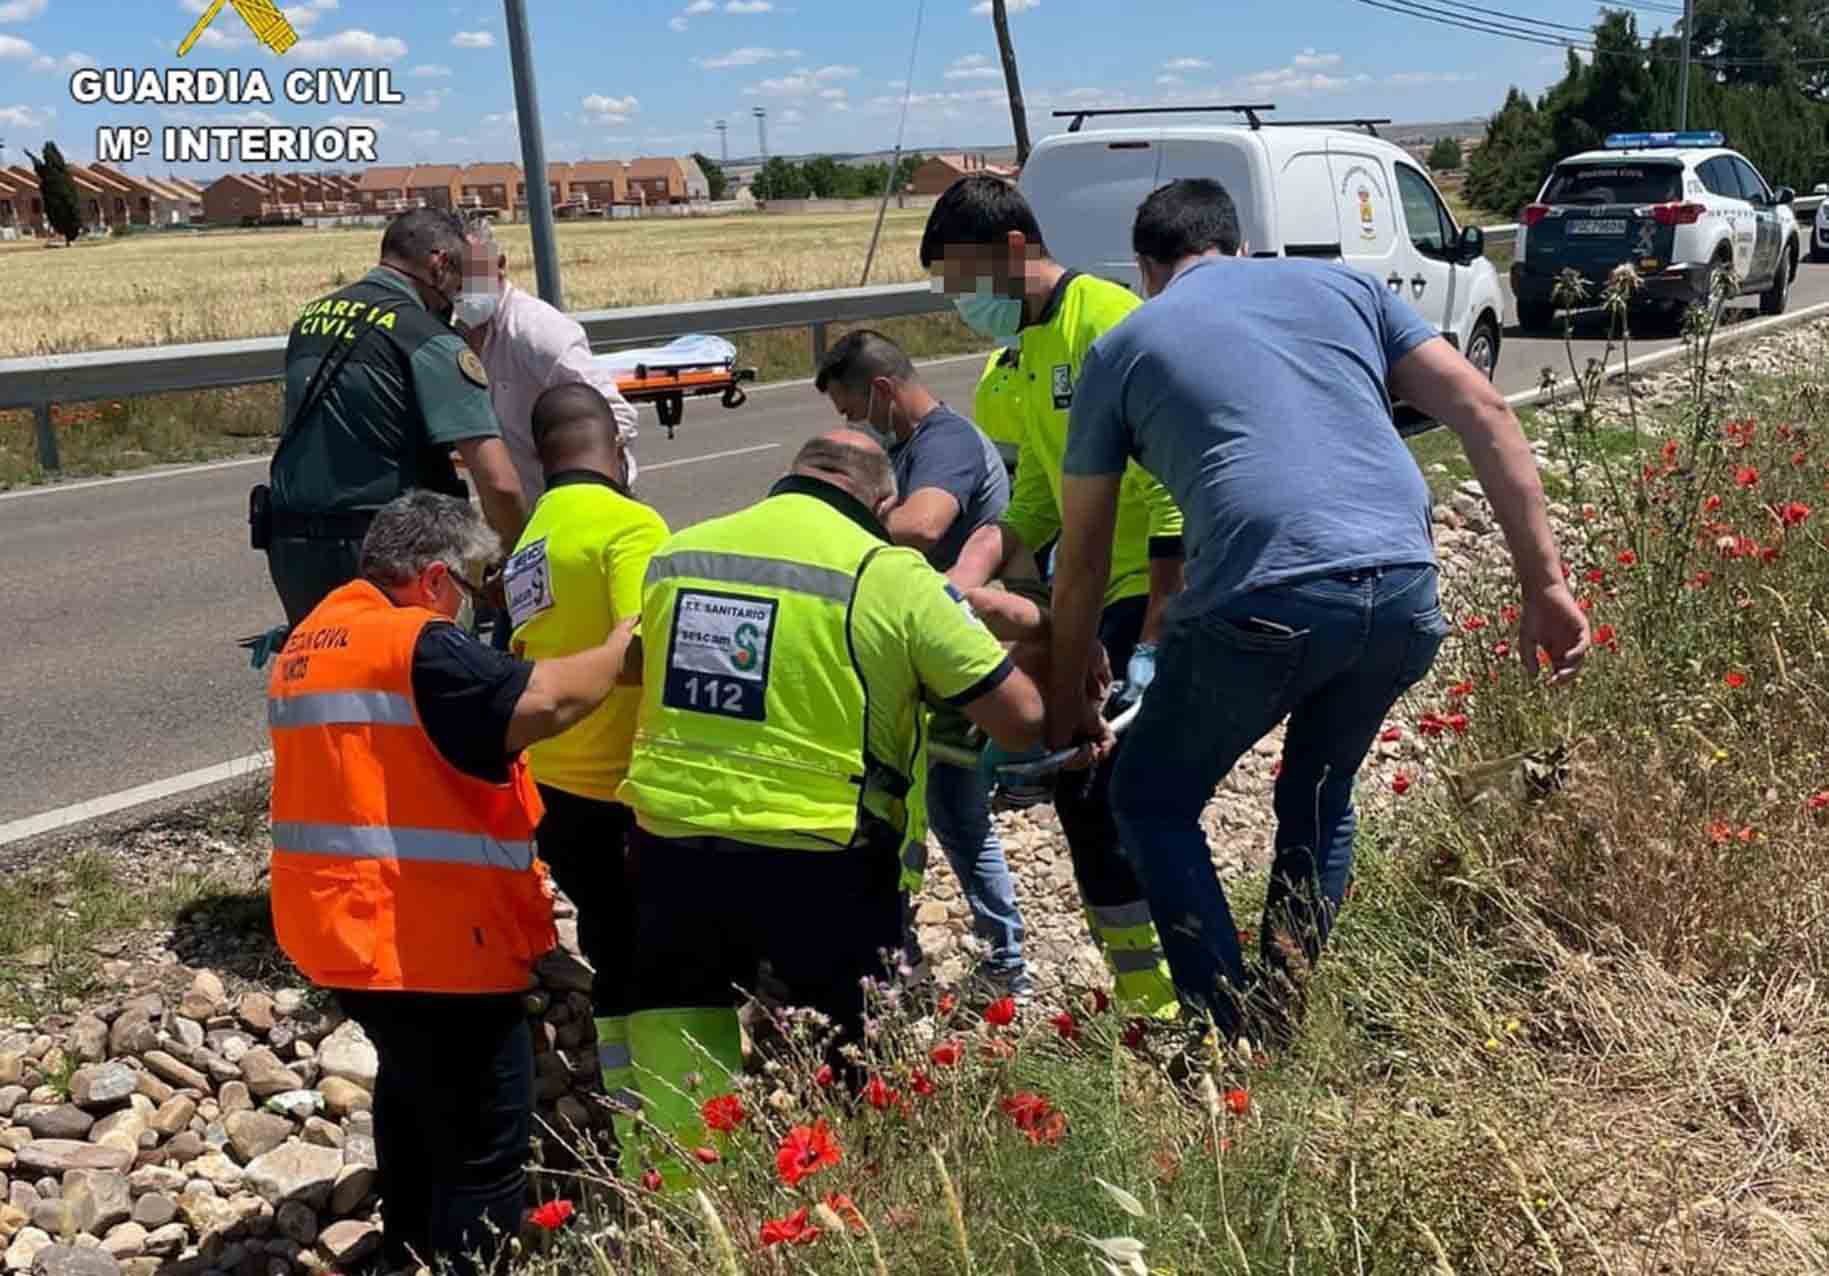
(159, 289)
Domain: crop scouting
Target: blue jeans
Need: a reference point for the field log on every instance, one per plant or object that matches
(1331, 654)
(959, 812)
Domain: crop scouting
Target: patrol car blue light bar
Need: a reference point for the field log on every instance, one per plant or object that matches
(1647, 141)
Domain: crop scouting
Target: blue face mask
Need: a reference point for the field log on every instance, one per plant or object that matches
(998, 318)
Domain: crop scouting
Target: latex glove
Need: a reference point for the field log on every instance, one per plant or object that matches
(995, 755)
(1141, 671)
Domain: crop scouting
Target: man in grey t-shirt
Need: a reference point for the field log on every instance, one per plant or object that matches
(1259, 393)
(950, 482)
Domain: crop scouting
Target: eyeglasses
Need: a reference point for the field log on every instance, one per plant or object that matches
(473, 592)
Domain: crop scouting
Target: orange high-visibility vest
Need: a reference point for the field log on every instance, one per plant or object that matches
(392, 869)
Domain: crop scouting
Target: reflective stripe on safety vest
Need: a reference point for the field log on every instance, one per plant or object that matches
(391, 868)
(770, 748)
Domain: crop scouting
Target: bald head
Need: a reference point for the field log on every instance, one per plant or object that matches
(852, 460)
(574, 429)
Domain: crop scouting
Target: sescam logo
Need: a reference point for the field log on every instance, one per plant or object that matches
(268, 24)
(747, 643)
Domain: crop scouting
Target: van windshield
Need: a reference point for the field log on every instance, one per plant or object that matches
(1615, 184)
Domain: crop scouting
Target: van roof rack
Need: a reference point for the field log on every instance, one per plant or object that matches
(1248, 110)
(1369, 125)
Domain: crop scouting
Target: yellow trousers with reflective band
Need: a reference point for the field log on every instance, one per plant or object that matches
(1140, 972)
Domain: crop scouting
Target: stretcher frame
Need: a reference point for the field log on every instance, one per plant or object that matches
(668, 385)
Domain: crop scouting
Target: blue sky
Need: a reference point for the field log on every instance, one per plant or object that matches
(652, 76)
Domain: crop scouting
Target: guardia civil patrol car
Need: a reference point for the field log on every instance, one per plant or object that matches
(1333, 189)
(1819, 244)
(1679, 207)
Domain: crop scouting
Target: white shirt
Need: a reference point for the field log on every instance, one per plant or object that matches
(528, 348)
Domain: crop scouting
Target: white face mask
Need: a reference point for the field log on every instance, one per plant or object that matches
(474, 309)
(885, 438)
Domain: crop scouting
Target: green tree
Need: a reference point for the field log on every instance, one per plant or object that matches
(717, 185)
(780, 179)
(1507, 167)
(1445, 155)
(61, 208)
(822, 176)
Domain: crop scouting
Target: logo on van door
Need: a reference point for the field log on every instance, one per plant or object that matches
(1063, 387)
(1360, 186)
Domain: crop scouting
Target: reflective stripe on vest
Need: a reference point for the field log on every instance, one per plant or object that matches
(747, 569)
(322, 708)
(420, 846)
(1121, 916)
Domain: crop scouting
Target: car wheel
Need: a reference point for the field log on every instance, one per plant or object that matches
(1535, 316)
(1483, 347)
(1776, 299)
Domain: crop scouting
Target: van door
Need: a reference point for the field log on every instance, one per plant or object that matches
(1308, 220)
(1431, 285)
(1085, 191)
(1371, 236)
(1236, 160)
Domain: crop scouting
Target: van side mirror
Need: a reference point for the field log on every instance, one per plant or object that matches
(1822, 188)
(1473, 243)
(1783, 195)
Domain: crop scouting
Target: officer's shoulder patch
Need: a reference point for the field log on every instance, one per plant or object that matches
(472, 367)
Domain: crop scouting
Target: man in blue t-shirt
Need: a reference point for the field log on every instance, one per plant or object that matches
(1258, 392)
(950, 482)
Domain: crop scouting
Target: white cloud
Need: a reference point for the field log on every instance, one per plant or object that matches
(1432, 77)
(677, 23)
(357, 121)
(355, 46)
(21, 10)
(948, 105)
(802, 83)
(424, 137)
(302, 16)
(983, 9)
(601, 110)
(1170, 79)
(22, 117)
(748, 56)
(749, 6)
(1299, 79)
(214, 37)
(699, 6)
(428, 103)
(69, 62)
(1186, 64)
(973, 66)
(504, 121)
(793, 115)
(12, 47)
(431, 71)
(833, 95)
(1309, 58)
(473, 40)
(247, 119)
(194, 6)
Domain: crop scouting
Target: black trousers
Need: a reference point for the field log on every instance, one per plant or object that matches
(305, 572)
(1082, 799)
(453, 1122)
(712, 913)
(584, 841)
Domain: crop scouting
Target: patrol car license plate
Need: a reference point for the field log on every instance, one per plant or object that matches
(1599, 226)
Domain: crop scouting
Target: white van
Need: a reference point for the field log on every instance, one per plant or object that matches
(1303, 190)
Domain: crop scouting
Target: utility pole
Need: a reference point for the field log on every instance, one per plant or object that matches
(723, 142)
(1019, 116)
(761, 114)
(1689, 35)
(533, 157)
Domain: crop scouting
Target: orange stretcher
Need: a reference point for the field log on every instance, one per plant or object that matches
(687, 368)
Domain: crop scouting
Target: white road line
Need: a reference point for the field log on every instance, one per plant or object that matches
(84, 485)
(713, 456)
(158, 790)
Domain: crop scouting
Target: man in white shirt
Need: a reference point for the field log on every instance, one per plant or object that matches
(528, 347)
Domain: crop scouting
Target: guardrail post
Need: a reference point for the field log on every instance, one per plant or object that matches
(819, 344)
(47, 436)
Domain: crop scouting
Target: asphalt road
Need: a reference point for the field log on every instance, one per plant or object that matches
(128, 595)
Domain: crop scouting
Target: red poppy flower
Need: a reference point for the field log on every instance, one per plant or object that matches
(946, 1054)
(723, 1114)
(1134, 1033)
(947, 1003)
(1063, 1024)
(1035, 1117)
(1501, 649)
(1605, 636)
(1769, 554)
(1670, 450)
(1712, 504)
(1400, 784)
(1799, 459)
(1747, 476)
(552, 1216)
(1473, 624)
(1237, 1101)
(1794, 513)
(707, 1156)
(823, 1078)
(1719, 832)
(1001, 1013)
(1586, 604)
(919, 1083)
(1462, 688)
(879, 1095)
(1432, 724)
(1508, 614)
(1818, 801)
(841, 1205)
(1100, 1002)
(806, 1150)
(1589, 513)
(651, 1180)
(1701, 579)
(794, 1229)
(1626, 558)
(1392, 735)
(1049, 1130)
(1735, 679)
(1457, 722)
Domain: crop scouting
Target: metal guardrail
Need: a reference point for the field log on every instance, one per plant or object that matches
(39, 381)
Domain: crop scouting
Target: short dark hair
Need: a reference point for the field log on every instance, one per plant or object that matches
(571, 418)
(982, 210)
(419, 232)
(1184, 219)
(860, 358)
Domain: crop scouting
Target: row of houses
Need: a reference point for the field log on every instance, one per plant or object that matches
(105, 197)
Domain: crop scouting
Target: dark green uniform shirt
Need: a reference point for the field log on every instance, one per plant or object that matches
(386, 422)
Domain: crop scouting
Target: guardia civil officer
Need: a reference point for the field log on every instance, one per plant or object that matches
(379, 390)
(788, 649)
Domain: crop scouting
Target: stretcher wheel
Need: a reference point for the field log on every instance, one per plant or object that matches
(734, 396)
(671, 408)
